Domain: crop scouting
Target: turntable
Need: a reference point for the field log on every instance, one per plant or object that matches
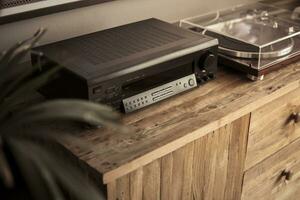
(254, 38)
(291, 5)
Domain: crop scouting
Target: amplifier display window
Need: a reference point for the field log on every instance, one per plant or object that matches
(150, 82)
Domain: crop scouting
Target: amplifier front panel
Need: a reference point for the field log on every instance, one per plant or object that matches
(159, 93)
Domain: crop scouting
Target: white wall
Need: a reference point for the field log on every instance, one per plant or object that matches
(93, 18)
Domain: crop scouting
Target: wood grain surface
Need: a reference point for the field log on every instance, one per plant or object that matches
(266, 180)
(167, 126)
(272, 127)
(209, 168)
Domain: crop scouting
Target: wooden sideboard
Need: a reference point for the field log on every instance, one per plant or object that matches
(228, 139)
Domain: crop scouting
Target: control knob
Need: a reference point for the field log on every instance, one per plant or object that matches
(191, 82)
(209, 60)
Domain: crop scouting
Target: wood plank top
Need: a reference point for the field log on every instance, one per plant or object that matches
(165, 127)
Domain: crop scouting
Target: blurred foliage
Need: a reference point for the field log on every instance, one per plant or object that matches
(28, 168)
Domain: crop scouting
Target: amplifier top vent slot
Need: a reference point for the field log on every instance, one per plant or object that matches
(115, 44)
(14, 3)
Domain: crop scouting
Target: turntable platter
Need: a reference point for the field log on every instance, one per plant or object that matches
(272, 51)
(253, 30)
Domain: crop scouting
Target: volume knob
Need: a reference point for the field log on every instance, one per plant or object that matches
(209, 60)
(191, 82)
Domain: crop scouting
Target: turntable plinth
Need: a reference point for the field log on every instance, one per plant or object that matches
(229, 139)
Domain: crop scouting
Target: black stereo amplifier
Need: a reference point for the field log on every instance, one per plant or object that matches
(131, 66)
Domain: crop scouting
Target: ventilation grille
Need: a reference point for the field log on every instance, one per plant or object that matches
(102, 47)
(14, 3)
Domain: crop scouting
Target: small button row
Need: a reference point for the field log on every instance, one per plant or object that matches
(136, 103)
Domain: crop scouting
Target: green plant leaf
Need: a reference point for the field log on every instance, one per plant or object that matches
(69, 110)
(62, 173)
(11, 68)
(13, 73)
(15, 83)
(49, 179)
(18, 51)
(5, 171)
(23, 164)
(72, 179)
(24, 89)
(75, 110)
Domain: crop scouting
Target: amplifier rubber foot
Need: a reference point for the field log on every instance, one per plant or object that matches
(255, 78)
